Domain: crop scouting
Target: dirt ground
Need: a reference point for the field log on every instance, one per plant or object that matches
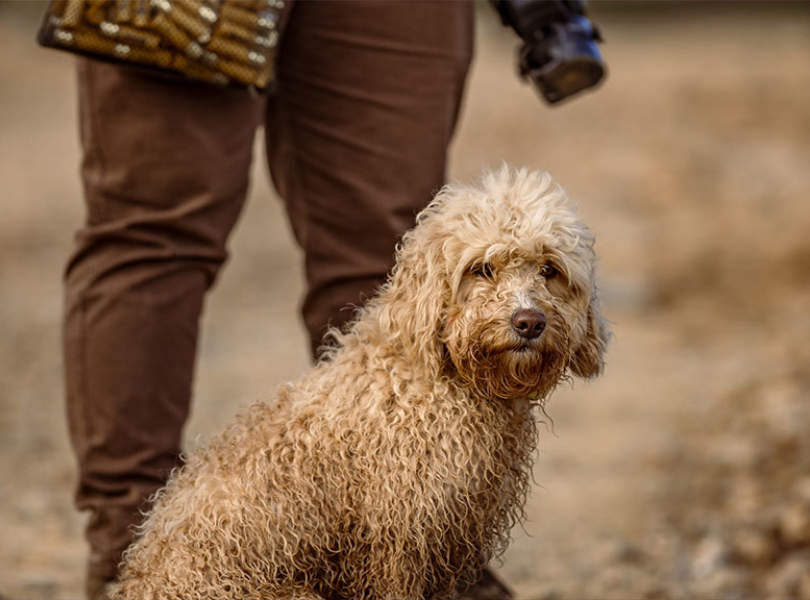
(684, 472)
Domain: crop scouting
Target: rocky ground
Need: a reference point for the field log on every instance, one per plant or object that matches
(683, 473)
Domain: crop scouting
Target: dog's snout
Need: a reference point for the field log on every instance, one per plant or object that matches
(528, 323)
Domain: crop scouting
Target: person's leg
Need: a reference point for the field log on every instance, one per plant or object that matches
(165, 171)
(357, 140)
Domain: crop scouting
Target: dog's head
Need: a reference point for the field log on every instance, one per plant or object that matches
(496, 284)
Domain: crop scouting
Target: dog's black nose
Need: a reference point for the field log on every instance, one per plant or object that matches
(528, 323)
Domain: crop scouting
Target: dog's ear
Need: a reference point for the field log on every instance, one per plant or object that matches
(588, 359)
(411, 307)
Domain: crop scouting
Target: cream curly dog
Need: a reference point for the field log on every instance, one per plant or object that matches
(396, 467)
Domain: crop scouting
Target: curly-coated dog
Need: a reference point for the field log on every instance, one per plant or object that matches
(396, 467)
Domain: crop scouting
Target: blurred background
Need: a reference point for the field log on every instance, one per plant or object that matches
(684, 472)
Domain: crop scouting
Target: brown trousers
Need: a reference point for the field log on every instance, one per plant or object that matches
(356, 135)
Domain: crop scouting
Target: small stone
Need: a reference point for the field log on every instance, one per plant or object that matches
(784, 580)
(746, 500)
(794, 525)
(723, 582)
(711, 553)
(737, 451)
(753, 547)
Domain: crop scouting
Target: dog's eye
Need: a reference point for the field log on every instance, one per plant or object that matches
(483, 270)
(548, 270)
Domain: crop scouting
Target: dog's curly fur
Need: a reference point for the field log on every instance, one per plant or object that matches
(396, 467)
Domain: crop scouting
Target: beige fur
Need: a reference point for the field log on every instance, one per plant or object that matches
(396, 467)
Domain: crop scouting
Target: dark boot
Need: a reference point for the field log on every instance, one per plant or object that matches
(488, 587)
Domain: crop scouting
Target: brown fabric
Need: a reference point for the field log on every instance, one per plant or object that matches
(357, 136)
